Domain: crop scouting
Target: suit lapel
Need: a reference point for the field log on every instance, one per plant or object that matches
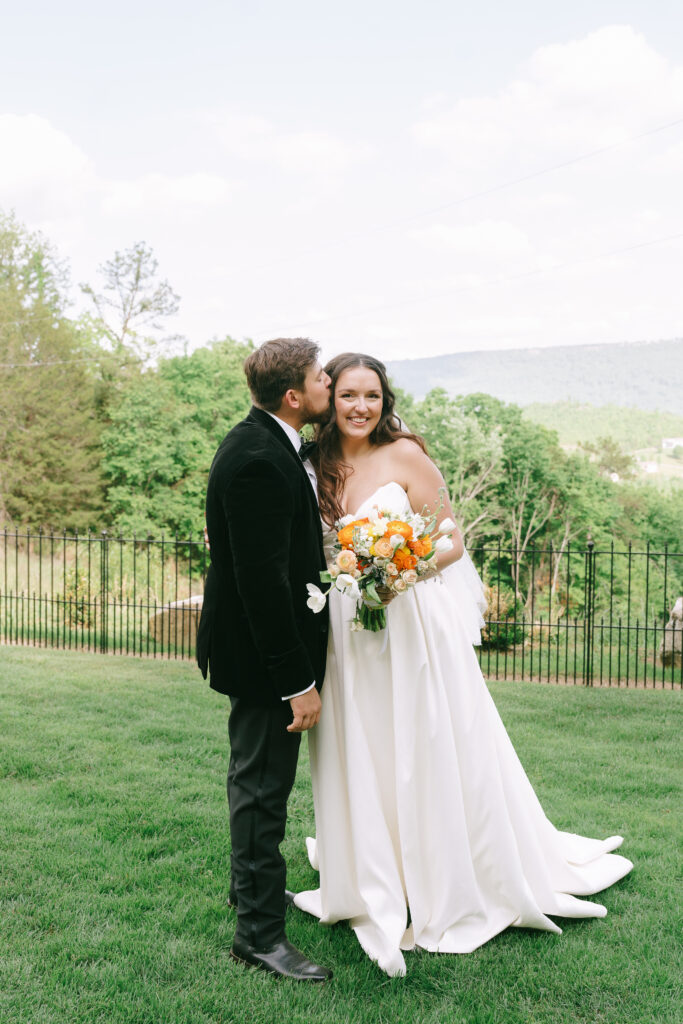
(264, 419)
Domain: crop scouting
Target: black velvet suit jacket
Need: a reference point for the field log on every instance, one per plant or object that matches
(256, 635)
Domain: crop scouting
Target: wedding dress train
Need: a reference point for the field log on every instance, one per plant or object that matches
(421, 803)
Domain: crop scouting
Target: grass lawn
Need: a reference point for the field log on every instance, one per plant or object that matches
(114, 845)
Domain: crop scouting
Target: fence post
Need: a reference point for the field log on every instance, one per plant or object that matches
(104, 588)
(589, 606)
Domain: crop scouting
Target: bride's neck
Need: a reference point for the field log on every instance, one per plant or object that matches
(352, 449)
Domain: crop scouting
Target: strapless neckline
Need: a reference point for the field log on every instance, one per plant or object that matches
(372, 497)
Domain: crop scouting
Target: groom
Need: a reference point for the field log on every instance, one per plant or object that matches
(261, 644)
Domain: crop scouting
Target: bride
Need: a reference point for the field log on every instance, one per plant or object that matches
(429, 833)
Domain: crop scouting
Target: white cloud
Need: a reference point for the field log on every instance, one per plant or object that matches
(314, 153)
(34, 151)
(165, 192)
(565, 101)
(265, 223)
(41, 168)
(568, 97)
(47, 177)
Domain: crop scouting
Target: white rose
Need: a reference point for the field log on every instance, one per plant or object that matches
(316, 598)
(443, 544)
(410, 576)
(446, 526)
(344, 521)
(333, 570)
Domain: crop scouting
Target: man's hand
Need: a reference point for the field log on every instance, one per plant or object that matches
(306, 711)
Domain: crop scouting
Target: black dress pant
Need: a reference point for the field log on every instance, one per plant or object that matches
(263, 758)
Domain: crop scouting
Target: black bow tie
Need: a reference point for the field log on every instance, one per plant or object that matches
(306, 449)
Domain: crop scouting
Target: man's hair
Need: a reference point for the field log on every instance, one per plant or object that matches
(276, 366)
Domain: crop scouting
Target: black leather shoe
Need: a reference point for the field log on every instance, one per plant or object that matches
(289, 899)
(284, 959)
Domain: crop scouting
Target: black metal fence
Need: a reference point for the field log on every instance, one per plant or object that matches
(574, 615)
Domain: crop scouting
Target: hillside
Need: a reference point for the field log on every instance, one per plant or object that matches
(638, 432)
(647, 375)
(633, 429)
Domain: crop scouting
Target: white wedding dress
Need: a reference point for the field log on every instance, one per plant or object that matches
(421, 803)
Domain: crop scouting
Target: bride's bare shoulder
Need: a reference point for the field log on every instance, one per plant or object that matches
(404, 460)
(413, 467)
(407, 451)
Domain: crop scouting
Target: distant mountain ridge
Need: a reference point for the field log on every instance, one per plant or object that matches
(644, 374)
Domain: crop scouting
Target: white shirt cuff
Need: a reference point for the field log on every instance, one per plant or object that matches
(300, 693)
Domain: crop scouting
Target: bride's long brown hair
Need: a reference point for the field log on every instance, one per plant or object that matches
(330, 468)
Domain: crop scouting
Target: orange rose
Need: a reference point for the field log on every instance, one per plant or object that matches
(403, 559)
(345, 535)
(396, 526)
(421, 547)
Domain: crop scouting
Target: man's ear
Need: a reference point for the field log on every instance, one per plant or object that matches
(292, 399)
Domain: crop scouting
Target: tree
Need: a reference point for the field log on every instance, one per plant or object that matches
(49, 462)
(468, 455)
(610, 459)
(163, 433)
(133, 303)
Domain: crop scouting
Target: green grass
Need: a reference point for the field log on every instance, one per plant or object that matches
(114, 869)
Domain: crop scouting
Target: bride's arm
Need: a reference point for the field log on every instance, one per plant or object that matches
(426, 488)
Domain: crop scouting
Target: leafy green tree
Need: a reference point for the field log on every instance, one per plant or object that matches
(49, 459)
(610, 458)
(469, 456)
(163, 434)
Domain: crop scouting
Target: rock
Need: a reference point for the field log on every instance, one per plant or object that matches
(671, 647)
(176, 623)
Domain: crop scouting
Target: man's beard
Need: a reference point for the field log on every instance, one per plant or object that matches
(311, 415)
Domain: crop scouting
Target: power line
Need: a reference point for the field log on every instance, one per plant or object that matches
(464, 288)
(58, 362)
(411, 218)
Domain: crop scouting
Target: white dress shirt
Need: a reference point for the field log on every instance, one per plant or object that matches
(293, 436)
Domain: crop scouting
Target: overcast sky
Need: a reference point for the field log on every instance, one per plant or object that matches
(351, 172)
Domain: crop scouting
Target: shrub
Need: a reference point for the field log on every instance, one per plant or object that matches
(504, 619)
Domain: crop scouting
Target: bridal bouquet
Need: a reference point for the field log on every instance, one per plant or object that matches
(380, 554)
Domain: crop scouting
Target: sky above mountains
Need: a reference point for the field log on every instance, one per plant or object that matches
(380, 176)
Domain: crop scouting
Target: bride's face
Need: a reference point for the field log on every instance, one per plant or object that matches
(358, 401)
